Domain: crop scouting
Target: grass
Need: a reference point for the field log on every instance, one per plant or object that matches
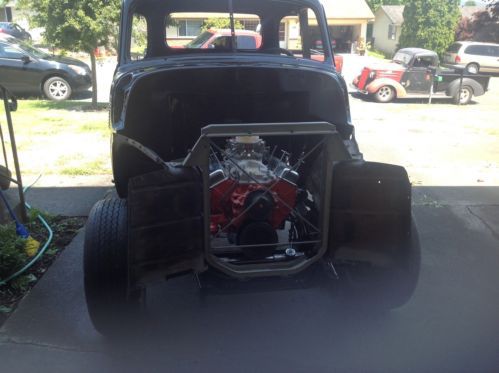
(377, 54)
(61, 138)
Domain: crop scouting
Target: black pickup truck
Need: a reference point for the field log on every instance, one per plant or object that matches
(412, 72)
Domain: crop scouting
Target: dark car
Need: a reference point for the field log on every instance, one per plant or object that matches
(15, 30)
(234, 165)
(412, 73)
(28, 70)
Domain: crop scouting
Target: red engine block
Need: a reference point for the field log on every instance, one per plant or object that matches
(228, 203)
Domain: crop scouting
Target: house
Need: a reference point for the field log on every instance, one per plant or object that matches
(388, 25)
(347, 23)
(387, 28)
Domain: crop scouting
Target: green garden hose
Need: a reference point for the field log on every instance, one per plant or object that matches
(41, 251)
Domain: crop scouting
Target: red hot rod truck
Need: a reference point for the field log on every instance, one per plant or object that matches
(412, 72)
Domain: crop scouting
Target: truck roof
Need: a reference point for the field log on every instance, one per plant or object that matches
(240, 6)
(226, 31)
(418, 51)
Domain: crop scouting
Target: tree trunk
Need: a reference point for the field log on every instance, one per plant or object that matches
(94, 79)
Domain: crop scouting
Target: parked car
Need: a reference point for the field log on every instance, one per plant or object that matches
(237, 165)
(15, 30)
(246, 39)
(220, 38)
(28, 70)
(474, 56)
(412, 73)
(9, 38)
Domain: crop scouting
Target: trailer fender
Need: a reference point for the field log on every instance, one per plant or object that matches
(373, 87)
(475, 86)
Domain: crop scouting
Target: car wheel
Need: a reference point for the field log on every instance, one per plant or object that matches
(473, 68)
(385, 94)
(465, 95)
(383, 289)
(57, 89)
(113, 307)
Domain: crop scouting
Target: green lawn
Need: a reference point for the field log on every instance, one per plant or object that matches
(62, 138)
(377, 54)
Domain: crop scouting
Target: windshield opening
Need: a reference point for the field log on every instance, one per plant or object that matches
(202, 30)
(402, 58)
(200, 40)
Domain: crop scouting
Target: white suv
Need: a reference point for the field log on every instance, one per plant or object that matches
(483, 57)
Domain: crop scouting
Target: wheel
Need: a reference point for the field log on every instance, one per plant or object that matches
(57, 89)
(465, 96)
(383, 289)
(472, 68)
(112, 306)
(385, 94)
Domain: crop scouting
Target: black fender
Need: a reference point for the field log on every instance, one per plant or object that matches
(370, 212)
(373, 239)
(475, 86)
(165, 223)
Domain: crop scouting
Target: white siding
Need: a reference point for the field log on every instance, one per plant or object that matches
(380, 34)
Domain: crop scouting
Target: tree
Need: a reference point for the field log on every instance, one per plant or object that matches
(485, 25)
(76, 25)
(470, 3)
(220, 23)
(430, 24)
(464, 29)
(375, 4)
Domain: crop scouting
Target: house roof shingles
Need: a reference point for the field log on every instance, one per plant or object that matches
(395, 13)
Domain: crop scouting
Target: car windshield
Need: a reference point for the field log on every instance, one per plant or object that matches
(31, 50)
(200, 40)
(402, 58)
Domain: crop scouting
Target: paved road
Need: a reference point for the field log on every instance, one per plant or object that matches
(450, 325)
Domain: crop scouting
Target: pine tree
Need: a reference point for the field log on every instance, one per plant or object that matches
(430, 24)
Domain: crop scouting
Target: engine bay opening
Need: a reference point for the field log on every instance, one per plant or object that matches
(263, 206)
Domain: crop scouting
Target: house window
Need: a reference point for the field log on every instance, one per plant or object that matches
(282, 31)
(392, 32)
(189, 27)
(250, 24)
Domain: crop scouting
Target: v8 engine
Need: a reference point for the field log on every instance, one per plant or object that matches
(252, 194)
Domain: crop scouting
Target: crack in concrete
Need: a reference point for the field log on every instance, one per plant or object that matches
(482, 220)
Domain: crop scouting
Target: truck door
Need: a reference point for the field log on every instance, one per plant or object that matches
(417, 78)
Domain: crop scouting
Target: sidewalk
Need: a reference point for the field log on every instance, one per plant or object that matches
(66, 196)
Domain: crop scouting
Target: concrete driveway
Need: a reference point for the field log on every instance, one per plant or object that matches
(450, 325)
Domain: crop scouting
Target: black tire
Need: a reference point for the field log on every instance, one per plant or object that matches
(388, 288)
(465, 96)
(5, 176)
(57, 89)
(384, 94)
(473, 68)
(105, 266)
